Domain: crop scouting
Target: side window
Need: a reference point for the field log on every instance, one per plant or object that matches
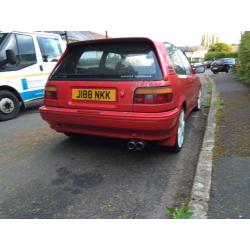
(112, 60)
(26, 50)
(9, 45)
(185, 62)
(50, 48)
(89, 59)
(174, 57)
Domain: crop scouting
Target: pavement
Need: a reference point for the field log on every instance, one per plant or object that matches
(230, 196)
(44, 174)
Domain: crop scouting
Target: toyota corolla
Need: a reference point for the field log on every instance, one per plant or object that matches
(130, 88)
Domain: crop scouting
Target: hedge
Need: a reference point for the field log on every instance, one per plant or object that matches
(243, 69)
(210, 56)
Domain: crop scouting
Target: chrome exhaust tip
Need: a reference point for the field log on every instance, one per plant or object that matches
(131, 145)
(140, 145)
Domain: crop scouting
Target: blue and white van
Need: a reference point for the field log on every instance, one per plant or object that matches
(26, 60)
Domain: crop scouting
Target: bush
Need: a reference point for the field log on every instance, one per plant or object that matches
(220, 47)
(210, 56)
(243, 69)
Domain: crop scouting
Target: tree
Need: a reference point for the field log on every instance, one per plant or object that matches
(220, 47)
(213, 39)
(244, 57)
(207, 40)
(203, 40)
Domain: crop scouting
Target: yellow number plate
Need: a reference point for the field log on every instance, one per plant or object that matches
(105, 95)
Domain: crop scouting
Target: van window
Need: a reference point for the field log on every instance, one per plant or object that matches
(50, 48)
(26, 50)
(114, 61)
(2, 36)
(10, 44)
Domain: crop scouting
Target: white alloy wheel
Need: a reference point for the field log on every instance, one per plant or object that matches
(198, 107)
(181, 129)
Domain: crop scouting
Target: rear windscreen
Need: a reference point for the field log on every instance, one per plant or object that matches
(117, 61)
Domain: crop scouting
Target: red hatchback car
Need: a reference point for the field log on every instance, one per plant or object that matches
(130, 88)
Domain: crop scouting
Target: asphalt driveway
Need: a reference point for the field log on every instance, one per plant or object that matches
(44, 174)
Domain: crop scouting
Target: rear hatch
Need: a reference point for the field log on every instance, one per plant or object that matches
(104, 75)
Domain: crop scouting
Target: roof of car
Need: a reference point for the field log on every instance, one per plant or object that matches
(35, 33)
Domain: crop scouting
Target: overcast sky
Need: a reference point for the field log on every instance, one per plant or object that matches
(180, 38)
(181, 22)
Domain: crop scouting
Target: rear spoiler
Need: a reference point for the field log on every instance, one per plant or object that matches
(111, 40)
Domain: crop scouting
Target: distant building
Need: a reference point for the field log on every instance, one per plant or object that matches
(195, 53)
(75, 36)
(235, 47)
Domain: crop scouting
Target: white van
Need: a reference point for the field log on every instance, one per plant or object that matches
(26, 60)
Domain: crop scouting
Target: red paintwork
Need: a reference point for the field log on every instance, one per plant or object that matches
(123, 119)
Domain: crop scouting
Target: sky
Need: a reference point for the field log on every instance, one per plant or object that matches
(181, 22)
(180, 38)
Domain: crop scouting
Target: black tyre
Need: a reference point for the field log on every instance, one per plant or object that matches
(9, 105)
(180, 134)
(215, 72)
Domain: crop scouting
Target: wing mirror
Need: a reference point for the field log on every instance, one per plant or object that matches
(198, 69)
(10, 56)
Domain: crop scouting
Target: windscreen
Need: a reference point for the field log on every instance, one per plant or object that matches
(2, 36)
(229, 60)
(113, 61)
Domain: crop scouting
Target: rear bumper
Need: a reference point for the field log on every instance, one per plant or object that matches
(126, 125)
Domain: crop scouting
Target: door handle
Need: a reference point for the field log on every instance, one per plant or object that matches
(41, 67)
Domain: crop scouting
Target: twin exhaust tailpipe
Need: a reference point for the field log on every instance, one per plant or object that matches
(136, 145)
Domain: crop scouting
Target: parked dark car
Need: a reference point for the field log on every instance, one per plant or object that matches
(223, 65)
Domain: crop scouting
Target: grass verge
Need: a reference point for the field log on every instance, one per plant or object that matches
(218, 148)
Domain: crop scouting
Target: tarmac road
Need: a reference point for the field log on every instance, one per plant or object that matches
(44, 174)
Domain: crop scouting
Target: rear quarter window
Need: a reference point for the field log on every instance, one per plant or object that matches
(114, 61)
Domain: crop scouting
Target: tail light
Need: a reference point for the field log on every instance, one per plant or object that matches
(154, 95)
(50, 92)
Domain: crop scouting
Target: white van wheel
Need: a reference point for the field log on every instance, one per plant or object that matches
(6, 105)
(9, 105)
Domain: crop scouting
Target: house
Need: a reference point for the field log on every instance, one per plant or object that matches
(235, 47)
(74, 36)
(195, 53)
